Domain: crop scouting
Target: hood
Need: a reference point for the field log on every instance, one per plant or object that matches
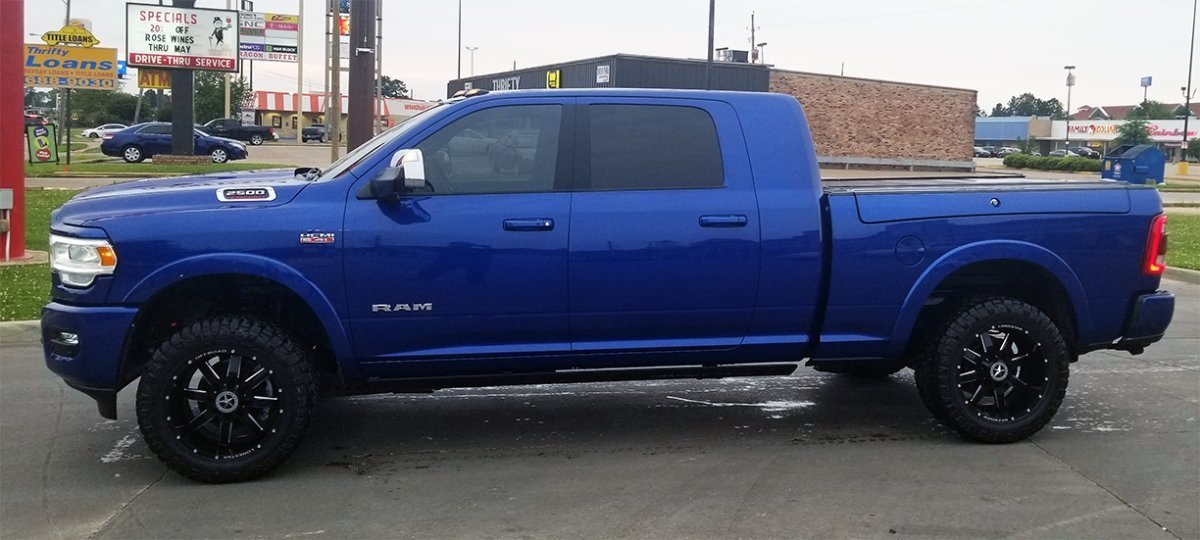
(227, 140)
(252, 189)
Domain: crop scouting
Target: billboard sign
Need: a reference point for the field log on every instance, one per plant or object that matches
(181, 38)
(1147, 81)
(272, 37)
(92, 68)
(43, 144)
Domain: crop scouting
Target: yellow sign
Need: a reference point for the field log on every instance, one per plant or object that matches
(71, 67)
(71, 34)
(554, 79)
(154, 78)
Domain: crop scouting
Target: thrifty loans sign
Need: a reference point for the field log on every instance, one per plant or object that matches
(181, 38)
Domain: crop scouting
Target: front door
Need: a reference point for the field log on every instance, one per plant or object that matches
(476, 268)
(664, 227)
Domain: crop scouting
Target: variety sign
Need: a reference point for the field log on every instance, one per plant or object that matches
(43, 144)
(1106, 130)
(183, 38)
(71, 67)
(71, 34)
(269, 36)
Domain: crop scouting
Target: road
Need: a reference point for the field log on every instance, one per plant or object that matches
(809, 455)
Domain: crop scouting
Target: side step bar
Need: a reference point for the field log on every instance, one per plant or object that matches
(429, 384)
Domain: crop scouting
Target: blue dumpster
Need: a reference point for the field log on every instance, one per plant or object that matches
(1135, 163)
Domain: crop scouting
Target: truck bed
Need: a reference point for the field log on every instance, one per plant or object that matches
(943, 183)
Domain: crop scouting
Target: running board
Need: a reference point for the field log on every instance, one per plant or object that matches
(429, 384)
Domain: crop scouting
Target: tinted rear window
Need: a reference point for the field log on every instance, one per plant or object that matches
(653, 147)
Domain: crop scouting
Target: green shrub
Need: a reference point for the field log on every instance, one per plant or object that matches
(1066, 164)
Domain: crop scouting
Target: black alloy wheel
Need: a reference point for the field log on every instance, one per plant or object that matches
(997, 370)
(226, 399)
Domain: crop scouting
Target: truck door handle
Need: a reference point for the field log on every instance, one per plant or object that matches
(729, 220)
(529, 224)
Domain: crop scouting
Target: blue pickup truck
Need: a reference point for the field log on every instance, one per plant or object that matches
(585, 235)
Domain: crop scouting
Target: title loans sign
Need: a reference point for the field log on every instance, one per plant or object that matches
(182, 38)
(269, 36)
(71, 67)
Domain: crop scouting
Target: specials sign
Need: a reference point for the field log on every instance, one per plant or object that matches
(181, 38)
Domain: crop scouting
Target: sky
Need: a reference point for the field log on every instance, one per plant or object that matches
(998, 47)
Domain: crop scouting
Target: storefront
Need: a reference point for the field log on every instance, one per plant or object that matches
(1010, 131)
(278, 110)
(1100, 134)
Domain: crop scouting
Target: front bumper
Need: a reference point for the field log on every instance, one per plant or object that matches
(83, 345)
(1148, 321)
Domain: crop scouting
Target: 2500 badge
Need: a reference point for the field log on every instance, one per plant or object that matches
(258, 194)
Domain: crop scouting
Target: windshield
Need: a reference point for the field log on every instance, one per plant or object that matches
(348, 161)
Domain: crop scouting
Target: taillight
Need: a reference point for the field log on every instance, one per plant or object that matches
(1156, 248)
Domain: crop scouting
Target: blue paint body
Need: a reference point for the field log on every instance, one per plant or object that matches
(770, 267)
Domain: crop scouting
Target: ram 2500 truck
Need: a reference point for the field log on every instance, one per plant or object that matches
(617, 234)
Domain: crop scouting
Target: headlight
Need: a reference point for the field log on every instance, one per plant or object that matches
(241, 147)
(79, 260)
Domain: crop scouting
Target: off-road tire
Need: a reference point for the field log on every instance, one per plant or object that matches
(289, 377)
(1037, 358)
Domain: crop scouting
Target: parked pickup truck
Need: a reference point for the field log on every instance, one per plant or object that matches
(314, 132)
(231, 128)
(649, 234)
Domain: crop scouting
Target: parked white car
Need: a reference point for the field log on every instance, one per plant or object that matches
(100, 131)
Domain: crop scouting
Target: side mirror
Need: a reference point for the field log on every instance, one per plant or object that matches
(406, 172)
(412, 164)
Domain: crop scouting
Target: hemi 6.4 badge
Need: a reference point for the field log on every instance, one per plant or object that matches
(246, 194)
(317, 238)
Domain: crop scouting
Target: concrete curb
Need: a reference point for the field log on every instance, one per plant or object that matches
(1183, 274)
(20, 332)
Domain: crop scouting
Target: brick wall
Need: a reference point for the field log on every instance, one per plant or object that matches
(882, 119)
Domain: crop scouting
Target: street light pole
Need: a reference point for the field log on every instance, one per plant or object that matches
(472, 49)
(1070, 83)
(762, 53)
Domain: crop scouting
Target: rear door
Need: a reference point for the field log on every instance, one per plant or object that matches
(664, 246)
(155, 139)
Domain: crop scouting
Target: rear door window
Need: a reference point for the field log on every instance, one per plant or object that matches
(651, 147)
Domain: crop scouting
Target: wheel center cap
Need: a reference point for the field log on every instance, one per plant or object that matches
(998, 371)
(226, 402)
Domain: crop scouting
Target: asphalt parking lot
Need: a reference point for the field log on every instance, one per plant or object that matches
(809, 455)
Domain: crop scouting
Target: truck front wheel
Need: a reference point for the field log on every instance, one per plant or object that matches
(226, 399)
(996, 372)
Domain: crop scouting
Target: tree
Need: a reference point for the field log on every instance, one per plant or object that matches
(1152, 110)
(393, 88)
(95, 107)
(1194, 149)
(209, 95)
(1132, 131)
(978, 111)
(1030, 105)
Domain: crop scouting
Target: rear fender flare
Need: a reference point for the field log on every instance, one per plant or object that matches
(993, 250)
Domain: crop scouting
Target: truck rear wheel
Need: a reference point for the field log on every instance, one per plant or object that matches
(256, 140)
(996, 372)
(226, 399)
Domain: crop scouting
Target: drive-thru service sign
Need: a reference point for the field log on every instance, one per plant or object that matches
(181, 38)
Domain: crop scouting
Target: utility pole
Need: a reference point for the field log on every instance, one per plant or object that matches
(335, 94)
(362, 74)
(460, 47)
(753, 43)
(67, 96)
(299, 71)
(229, 5)
(708, 68)
(183, 140)
(328, 46)
(378, 127)
(1070, 83)
(1187, 94)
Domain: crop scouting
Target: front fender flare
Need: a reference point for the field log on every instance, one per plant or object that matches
(258, 266)
(989, 251)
